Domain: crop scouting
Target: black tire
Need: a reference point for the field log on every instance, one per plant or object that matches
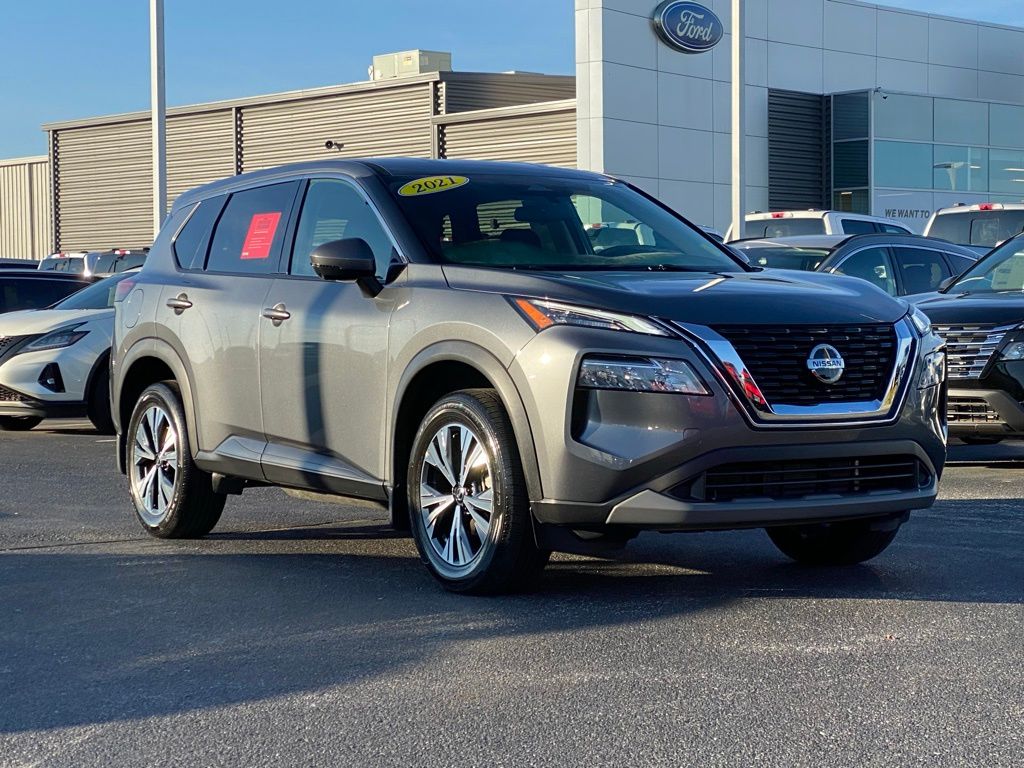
(99, 403)
(507, 558)
(19, 423)
(846, 543)
(981, 439)
(193, 508)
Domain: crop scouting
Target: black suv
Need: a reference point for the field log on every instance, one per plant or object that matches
(444, 339)
(981, 317)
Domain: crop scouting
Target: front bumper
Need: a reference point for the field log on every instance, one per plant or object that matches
(992, 406)
(615, 459)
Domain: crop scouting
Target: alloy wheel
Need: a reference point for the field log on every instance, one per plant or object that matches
(154, 464)
(456, 495)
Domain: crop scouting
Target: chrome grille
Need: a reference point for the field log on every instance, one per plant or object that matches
(971, 410)
(969, 348)
(777, 358)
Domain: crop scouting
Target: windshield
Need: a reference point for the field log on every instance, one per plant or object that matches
(514, 222)
(784, 257)
(97, 296)
(1002, 271)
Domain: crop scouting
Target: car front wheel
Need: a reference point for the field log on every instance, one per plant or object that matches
(19, 423)
(844, 543)
(173, 498)
(468, 504)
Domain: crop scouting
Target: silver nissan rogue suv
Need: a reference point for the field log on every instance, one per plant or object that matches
(446, 339)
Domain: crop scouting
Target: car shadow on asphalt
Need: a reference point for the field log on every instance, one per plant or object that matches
(93, 638)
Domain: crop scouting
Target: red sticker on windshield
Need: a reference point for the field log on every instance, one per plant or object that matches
(260, 235)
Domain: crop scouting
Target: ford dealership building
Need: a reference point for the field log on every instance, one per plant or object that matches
(849, 105)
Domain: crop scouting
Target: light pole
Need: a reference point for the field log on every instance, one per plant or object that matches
(739, 189)
(158, 106)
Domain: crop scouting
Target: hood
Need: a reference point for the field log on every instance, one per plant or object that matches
(769, 296)
(31, 322)
(968, 308)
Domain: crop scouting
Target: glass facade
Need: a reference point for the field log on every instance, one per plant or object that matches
(906, 155)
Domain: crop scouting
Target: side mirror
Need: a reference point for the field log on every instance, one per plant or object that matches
(945, 284)
(348, 259)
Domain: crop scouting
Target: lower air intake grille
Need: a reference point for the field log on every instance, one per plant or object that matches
(971, 410)
(777, 358)
(780, 480)
(10, 396)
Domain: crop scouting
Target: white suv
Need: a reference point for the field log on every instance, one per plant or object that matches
(815, 222)
(54, 363)
(981, 226)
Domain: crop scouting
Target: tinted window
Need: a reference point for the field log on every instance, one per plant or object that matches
(334, 210)
(959, 263)
(785, 227)
(990, 228)
(954, 227)
(97, 296)
(871, 264)
(892, 229)
(33, 293)
(251, 230)
(784, 257)
(858, 227)
(62, 264)
(190, 244)
(921, 270)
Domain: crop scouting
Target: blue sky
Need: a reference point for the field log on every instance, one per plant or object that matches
(64, 59)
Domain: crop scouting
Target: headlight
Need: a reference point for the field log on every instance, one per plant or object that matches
(1013, 351)
(62, 337)
(542, 314)
(921, 321)
(641, 374)
(934, 369)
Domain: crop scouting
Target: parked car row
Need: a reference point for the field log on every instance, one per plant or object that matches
(515, 360)
(95, 264)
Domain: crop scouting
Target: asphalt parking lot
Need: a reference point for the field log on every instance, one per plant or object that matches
(304, 633)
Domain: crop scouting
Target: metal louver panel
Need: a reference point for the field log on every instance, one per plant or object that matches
(797, 148)
(381, 122)
(465, 91)
(200, 149)
(25, 208)
(104, 186)
(536, 134)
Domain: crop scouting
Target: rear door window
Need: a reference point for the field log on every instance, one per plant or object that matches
(873, 265)
(251, 231)
(958, 263)
(892, 229)
(921, 270)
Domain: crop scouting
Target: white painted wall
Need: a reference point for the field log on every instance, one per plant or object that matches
(661, 118)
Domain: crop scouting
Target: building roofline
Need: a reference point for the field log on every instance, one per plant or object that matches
(297, 95)
(928, 14)
(496, 113)
(24, 160)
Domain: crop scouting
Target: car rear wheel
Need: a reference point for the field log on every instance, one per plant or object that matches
(173, 498)
(845, 543)
(19, 423)
(468, 506)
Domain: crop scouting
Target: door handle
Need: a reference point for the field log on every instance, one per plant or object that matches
(179, 304)
(276, 314)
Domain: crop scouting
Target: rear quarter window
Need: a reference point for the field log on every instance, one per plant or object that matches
(192, 241)
(857, 227)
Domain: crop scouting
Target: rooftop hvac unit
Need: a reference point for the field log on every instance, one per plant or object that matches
(388, 66)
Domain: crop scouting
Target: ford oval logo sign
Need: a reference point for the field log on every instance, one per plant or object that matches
(688, 27)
